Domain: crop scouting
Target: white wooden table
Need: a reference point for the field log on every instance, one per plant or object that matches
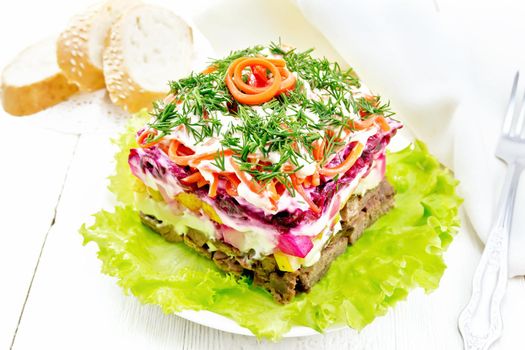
(52, 294)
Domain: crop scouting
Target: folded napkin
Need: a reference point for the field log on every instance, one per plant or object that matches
(447, 71)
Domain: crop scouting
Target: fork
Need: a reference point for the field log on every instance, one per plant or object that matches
(480, 322)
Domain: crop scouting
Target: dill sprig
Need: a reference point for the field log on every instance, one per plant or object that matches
(281, 130)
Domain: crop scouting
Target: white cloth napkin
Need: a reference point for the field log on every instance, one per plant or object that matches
(447, 68)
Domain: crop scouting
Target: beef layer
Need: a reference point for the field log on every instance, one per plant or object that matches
(359, 213)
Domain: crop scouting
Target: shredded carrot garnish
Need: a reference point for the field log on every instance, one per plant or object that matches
(362, 124)
(383, 124)
(231, 189)
(243, 92)
(164, 147)
(318, 149)
(252, 184)
(288, 82)
(316, 179)
(231, 177)
(172, 149)
(182, 150)
(373, 119)
(300, 189)
(195, 159)
(231, 183)
(213, 186)
(278, 62)
(209, 69)
(202, 183)
(193, 178)
(144, 136)
(287, 168)
(335, 136)
(307, 181)
(346, 164)
(282, 80)
(192, 159)
(274, 195)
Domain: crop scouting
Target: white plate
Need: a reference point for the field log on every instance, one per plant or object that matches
(216, 321)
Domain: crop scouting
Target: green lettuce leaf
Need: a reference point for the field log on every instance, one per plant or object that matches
(401, 251)
(121, 183)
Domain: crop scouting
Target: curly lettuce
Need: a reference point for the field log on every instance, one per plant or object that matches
(401, 251)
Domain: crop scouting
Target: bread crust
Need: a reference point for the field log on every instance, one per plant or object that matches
(27, 90)
(29, 99)
(73, 53)
(87, 31)
(123, 90)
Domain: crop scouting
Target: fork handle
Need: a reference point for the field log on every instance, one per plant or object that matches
(480, 322)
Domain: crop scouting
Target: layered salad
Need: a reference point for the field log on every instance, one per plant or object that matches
(269, 162)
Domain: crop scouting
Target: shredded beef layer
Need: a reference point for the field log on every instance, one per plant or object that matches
(359, 213)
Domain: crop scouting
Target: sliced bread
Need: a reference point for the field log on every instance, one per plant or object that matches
(146, 48)
(33, 81)
(80, 45)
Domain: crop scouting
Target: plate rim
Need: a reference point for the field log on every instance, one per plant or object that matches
(222, 323)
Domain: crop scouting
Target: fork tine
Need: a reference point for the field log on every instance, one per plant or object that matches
(517, 120)
(519, 127)
(511, 107)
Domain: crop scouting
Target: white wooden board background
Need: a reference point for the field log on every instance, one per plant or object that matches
(52, 177)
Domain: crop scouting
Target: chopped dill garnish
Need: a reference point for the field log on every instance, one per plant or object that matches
(282, 130)
(219, 161)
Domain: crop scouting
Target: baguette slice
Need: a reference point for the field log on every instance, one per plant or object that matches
(33, 81)
(80, 45)
(147, 47)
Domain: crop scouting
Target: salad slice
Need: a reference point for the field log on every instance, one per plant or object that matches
(269, 163)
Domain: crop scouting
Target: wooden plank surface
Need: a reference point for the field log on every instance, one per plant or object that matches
(31, 182)
(72, 305)
(37, 152)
